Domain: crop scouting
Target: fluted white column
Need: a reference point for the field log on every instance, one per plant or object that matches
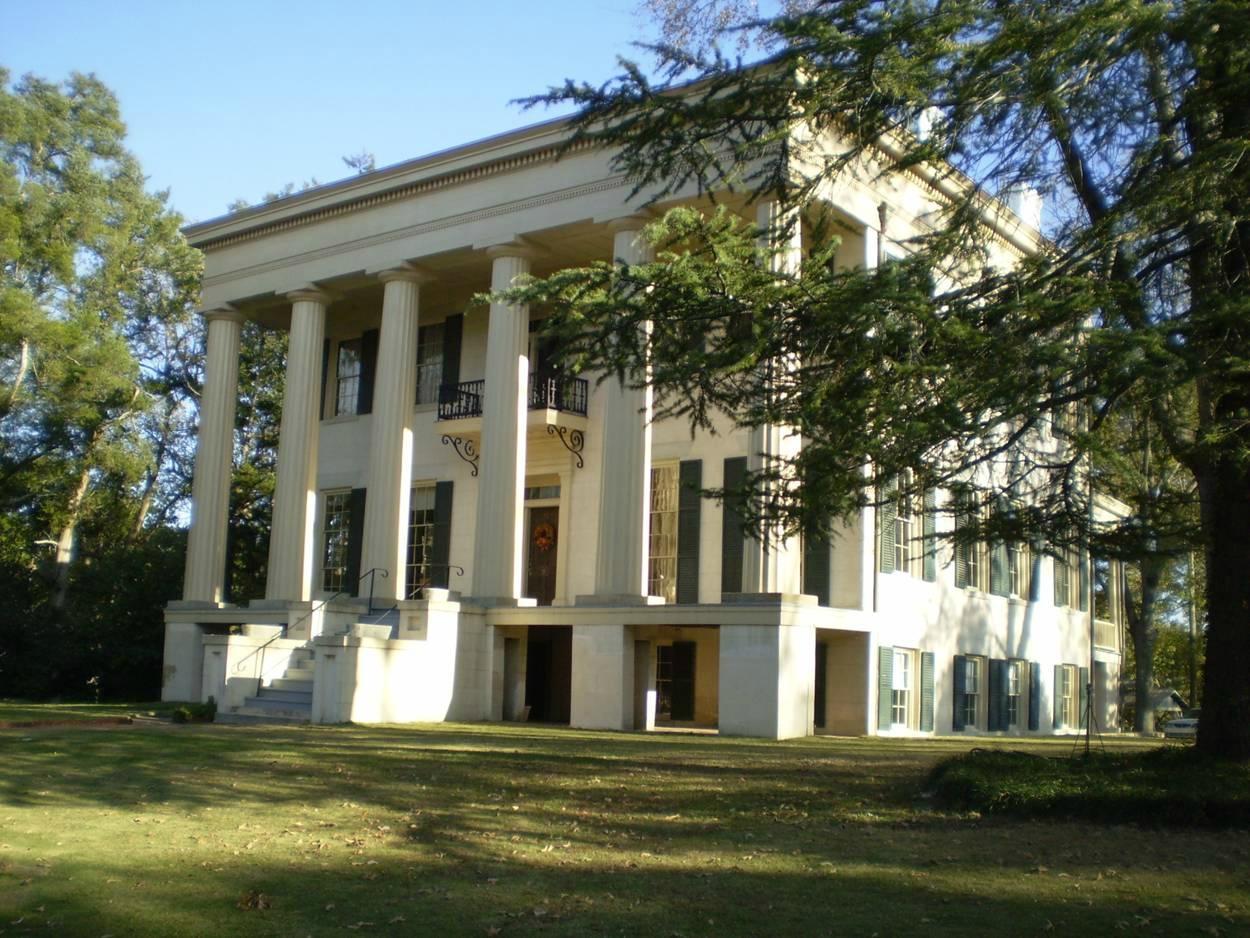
(385, 543)
(291, 548)
(497, 547)
(772, 565)
(625, 481)
(210, 488)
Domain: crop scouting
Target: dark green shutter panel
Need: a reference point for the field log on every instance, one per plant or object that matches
(440, 550)
(733, 531)
(1000, 580)
(1083, 692)
(1061, 580)
(960, 686)
(816, 554)
(689, 507)
(926, 691)
(325, 375)
(885, 686)
(453, 339)
(961, 546)
(355, 539)
(886, 498)
(1083, 602)
(998, 694)
(368, 371)
(930, 535)
(1035, 695)
(1058, 699)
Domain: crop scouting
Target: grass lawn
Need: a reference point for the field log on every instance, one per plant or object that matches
(515, 829)
(18, 712)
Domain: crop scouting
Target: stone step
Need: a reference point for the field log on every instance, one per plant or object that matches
(298, 674)
(283, 683)
(301, 697)
(284, 708)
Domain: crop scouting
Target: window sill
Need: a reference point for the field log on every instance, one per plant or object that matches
(342, 418)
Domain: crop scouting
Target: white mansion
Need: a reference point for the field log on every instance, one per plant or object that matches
(462, 532)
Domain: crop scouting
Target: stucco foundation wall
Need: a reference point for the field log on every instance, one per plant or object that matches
(184, 661)
(766, 675)
(603, 677)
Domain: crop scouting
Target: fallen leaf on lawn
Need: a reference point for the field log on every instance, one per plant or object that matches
(252, 900)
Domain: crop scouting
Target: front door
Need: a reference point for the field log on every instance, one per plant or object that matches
(674, 681)
(540, 577)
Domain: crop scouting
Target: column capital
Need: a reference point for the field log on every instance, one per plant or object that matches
(404, 273)
(311, 293)
(635, 221)
(518, 247)
(224, 312)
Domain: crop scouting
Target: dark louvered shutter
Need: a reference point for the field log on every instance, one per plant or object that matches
(816, 555)
(733, 531)
(1035, 695)
(926, 691)
(930, 535)
(885, 686)
(1058, 697)
(886, 513)
(963, 521)
(1083, 602)
(440, 550)
(355, 539)
(325, 375)
(368, 371)
(998, 694)
(453, 340)
(1035, 575)
(1060, 568)
(960, 686)
(1083, 691)
(689, 507)
(1000, 579)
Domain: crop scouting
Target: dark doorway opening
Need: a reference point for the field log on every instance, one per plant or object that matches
(822, 679)
(548, 673)
(674, 681)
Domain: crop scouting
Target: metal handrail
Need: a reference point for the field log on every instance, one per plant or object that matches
(320, 604)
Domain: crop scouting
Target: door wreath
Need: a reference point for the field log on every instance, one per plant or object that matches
(544, 536)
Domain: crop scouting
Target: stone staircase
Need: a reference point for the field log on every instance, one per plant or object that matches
(287, 699)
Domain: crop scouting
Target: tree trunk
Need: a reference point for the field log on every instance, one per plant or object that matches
(1224, 729)
(23, 366)
(1141, 625)
(65, 542)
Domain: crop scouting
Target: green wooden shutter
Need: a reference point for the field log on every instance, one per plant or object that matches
(1083, 579)
(926, 691)
(325, 375)
(440, 550)
(1000, 578)
(816, 554)
(962, 546)
(733, 530)
(1060, 568)
(1057, 702)
(1035, 574)
(1083, 692)
(960, 686)
(930, 535)
(886, 513)
(453, 340)
(355, 539)
(368, 371)
(998, 680)
(689, 507)
(885, 686)
(1035, 695)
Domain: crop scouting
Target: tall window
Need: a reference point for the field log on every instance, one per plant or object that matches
(1067, 577)
(662, 563)
(347, 371)
(1104, 599)
(972, 690)
(420, 539)
(338, 519)
(1067, 692)
(905, 529)
(971, 559)
(1015, 692)
(1019, 569)
(902, 687)
(429, 363)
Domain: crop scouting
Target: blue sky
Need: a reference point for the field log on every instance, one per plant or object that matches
(227, 99)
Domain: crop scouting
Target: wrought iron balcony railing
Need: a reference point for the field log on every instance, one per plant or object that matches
(568, 395)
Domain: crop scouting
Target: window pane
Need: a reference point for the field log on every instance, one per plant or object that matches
(347, 390)
(429, 363)
(420, 539)
(334, 541)
(662, 562)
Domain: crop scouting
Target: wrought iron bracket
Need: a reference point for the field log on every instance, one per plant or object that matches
(572, 440)
(464, 449)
